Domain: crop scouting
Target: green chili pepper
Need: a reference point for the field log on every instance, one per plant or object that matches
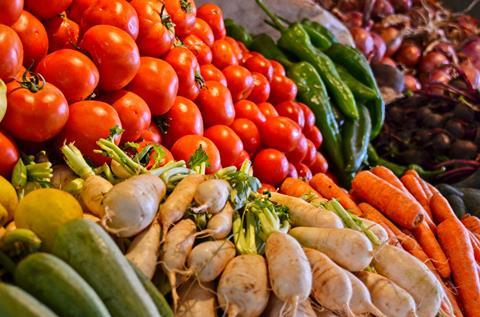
(361, 92)
(356, 137)
(265, 45)
(319, 40)
(320, 29)
(238, 32)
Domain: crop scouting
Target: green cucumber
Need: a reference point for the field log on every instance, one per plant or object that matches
(457, 204)
(88, 249)
(471, 197)
(14, 302)
(58, 286)
(446, 189)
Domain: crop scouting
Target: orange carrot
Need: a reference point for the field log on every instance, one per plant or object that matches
(387, 175)
(440, 208)
(328, 189)
(297, 188)
(365, 208)
(415, 188)
(451, 294)
(472, 223)
(455, 242)
(476, 246)
(395, 204)
(425, 185)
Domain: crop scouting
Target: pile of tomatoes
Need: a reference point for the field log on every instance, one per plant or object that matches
(76, 68)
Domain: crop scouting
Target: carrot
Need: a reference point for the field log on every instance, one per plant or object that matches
(328, 189)
(455, 241)
(297, 188)
(387, 175)
(415, 188)
(472, 223)
(441, 209)
(476, 246)
(396, 205)
(364, 207)
(451, 295)
(426, 186)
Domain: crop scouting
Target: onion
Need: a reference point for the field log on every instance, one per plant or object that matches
(412, 83)
(471, 50)
(379, 47)
(432, 61)
(408, 54)
(363, 40)
(471, 72)
(468, 23)
(401, 6)
(382, 8)
(392, 38)
(447, 50)
(353, 19)
(349, 5)
(388, 61)
(437, 76)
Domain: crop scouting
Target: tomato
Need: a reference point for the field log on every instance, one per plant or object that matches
(261, 88)
(186, 66)
(223, 54)
(282, 89)
(280, 133)
(259, 64)
(62, 33)
(236, 48)
(10, 11)
(266, 187)
(188, 144)
(270, 166)
(227, 141)
(242, 157)
(183, 14)
(202, 30)
(11, 53)
(46, 9)
(320, 165)
(292, 171)
(152, 134)
(310, 157)
(249, 110)
(303, 171)
(152, 161)
(8, 155)
(278, 68)
(292, 110)
(202, 52)
(34, 38)
(117, 13)
(314, 135)
(215, 103)
(88, 122)
(183, 118)
(210, 72)
(239, 81)
(77, 8)
(213, 15)
(300, 151)
(248, 133)
(268, 109)
(159, 94)
(308, 114)
(133, 111)
(82, 76)
(156, 34)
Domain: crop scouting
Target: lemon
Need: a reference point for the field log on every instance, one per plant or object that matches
(8, 197)
(44, 210)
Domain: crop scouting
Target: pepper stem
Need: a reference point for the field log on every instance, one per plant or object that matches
(274, 19)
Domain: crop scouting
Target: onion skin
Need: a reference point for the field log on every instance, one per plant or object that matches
(379, 47)
(392, 38)
(408, 54)
(363, 40)
(388, 61)
(401, 6)
(431, 61)
(382, 8)
(412, 83)
(472, 49)
(471, 72)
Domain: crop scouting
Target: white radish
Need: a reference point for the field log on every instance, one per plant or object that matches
(119, 171)
(197, 300)
(93, 192)
(325, 313)
(348, 248)
(143, 252)
(377, 230)
(211, 196)
(361, 302)
(331, 286)
(289, 271)
(305, 214)
(243, 286)
(390, 298)
(277, 308)
(131, 205)
(220, 225)
(413, 276)
(208, 259)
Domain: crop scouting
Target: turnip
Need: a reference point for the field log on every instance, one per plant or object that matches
(208, 259)
(305, 214)
(211, 196)
(348, 248)
(331, 286)
(220, 225)
(243, 286)
(413, 276)
(277, 308)
(143, 252)
(390, 298)
(197, 300)
(361, 302)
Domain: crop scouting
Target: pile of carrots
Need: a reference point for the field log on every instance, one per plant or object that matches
(417, 218)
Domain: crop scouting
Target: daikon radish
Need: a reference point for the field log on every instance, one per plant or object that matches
(197, 300)
(277, 308)
(208, 259)
(325, 313)
(377, 230)
(361, 302)
(143, 252)
(220, 225)
(211, 196)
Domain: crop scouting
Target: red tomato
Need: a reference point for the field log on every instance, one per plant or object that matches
(35, 116)
(292, 110)
(242, 157)
(115, 54)
(268, 109)
(239, 81)
(282, 89)
(183, 118)
(80, 127)
(152, 134)
(300, 151)
(202, 52)
(8, 155)
(62, 33)
(310, 157)
(133, 111)
(314, 135)
(215, 103)
(236, 48)
(11, 53)
(202, 30)
(159, 94)
(10, 11)
(210, 72)
(308, 114)
(34, 38)
(82, 78)
(223, 54)
(213, 15)
(320, 165)
(227, 141)
(77, 8)
(188, 144)
(278, 68)
(249, 110)
(152, 163)
(270, 166)
(46, 9)
(183, 14)
(292, 171)
(259, 64)
(248, 133)
(266, 187)
(261, 88)
(186, 66)
(280, 133)
(118, 13)
(304, 172)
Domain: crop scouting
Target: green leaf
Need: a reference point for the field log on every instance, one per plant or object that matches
(198, 158)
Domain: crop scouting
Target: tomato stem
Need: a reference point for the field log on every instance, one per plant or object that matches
(32, 81)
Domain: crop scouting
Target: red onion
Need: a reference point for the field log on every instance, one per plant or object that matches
(363, 40)
(437, 76)
(432, 61)
(471, 72)
(411, 83)
(401, 6)
(446, 49)
(468, 23)
(353, 19)
(408, 54)
(382, 8)
(471, 50)
(392, 38)
(349, 5)
(379, 47)
(388, 61)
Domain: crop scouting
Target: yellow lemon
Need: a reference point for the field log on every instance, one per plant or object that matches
(8, 197)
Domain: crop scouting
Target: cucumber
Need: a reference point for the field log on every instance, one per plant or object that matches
(58, 286)
(471, 181)
(471, 197)
(457, 204)
(446, 190)
(88, 249)
(14, 302)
